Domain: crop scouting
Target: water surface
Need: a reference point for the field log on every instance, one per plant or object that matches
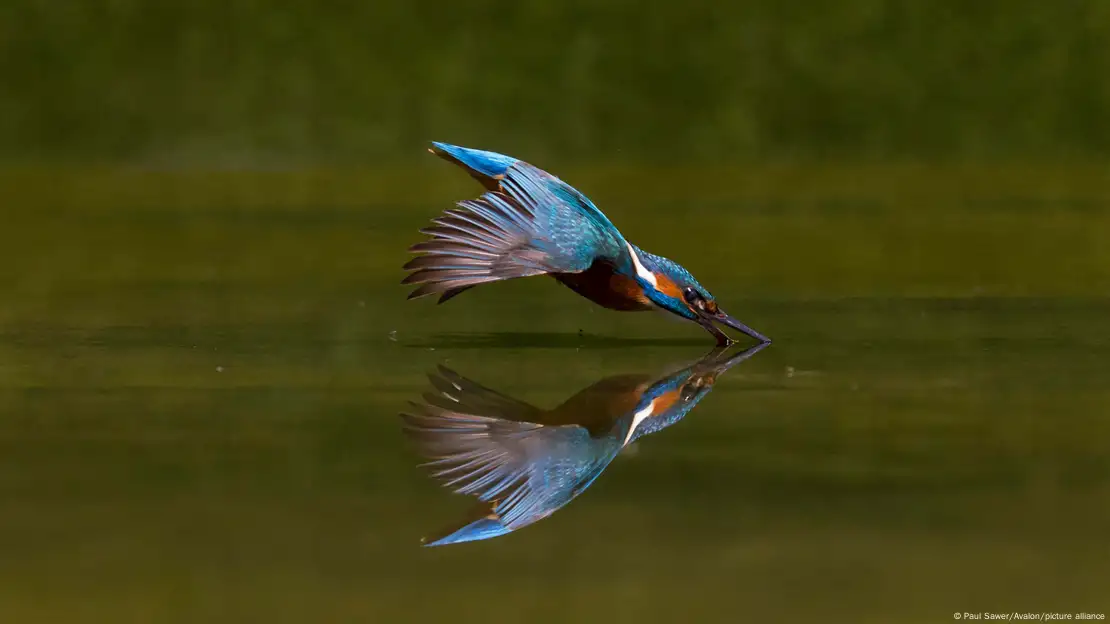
(201, 375)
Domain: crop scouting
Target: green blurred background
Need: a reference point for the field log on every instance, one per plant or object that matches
(204, 207)
(253, 84)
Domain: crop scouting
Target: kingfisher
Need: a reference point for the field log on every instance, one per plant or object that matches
(524, 463)
(529, 222)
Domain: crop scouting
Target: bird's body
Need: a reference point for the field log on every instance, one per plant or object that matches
(524, 463)
(530, 222)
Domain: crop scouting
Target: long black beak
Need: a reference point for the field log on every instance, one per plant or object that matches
(722, 339)
(737, 325)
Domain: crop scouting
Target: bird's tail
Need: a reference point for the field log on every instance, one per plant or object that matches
(484, 240)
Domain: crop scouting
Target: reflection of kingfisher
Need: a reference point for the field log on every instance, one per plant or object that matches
(524, 463)
(532, 223)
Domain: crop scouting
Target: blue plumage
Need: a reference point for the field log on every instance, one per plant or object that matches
(530, 222)
(480, 529)
(523, 463)
(484, 166)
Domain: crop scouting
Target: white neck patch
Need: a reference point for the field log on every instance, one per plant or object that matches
(641, 270)
(638, 418)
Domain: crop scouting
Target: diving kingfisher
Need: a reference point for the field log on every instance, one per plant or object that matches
(530, 222)
(524, 463)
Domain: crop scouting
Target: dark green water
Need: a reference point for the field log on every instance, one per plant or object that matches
(200, 375)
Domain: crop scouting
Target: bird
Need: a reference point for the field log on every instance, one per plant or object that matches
(529, 222)
(524, 463)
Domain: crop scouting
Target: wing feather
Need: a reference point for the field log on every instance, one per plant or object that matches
(530, 223)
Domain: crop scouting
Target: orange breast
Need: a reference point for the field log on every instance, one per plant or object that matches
(605, 287)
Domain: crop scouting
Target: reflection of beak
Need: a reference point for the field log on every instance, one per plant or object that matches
(706, 320)
(717, 361)
(714, 364)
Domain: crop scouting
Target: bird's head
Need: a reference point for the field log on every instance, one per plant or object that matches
(671, 287)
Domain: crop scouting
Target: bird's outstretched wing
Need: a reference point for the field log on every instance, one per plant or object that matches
(531, 224)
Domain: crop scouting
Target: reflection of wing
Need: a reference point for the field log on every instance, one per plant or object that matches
(457, 393)
(478, 524)
(524, 469)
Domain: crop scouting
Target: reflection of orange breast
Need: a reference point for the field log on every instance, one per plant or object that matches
(665, 401)
(605, 287)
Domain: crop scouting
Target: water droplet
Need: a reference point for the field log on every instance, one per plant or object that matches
(393, 336)
(219, 369)
(789, 371)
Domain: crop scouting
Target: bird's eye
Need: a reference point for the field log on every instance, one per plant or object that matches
(688, 392)
(693, 297)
